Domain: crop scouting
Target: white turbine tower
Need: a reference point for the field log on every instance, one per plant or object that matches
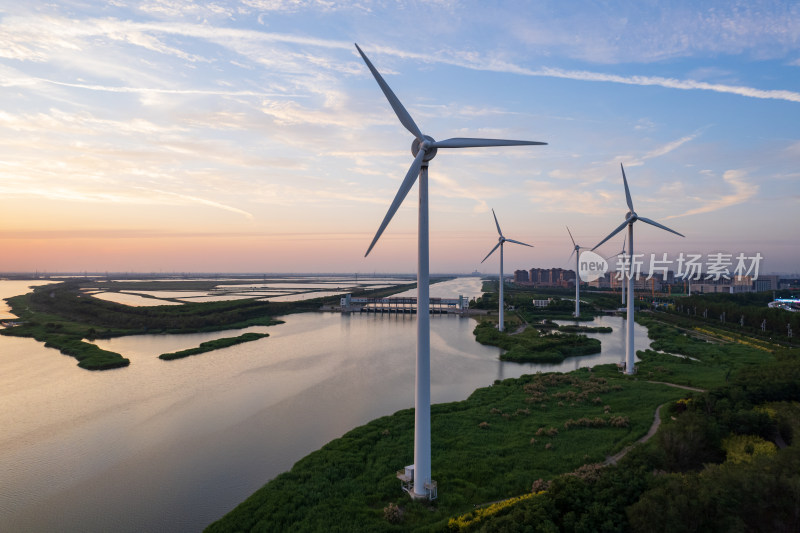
(423, 148)
(622, 253)
(630, 218)
(500, 241)
(577, 251)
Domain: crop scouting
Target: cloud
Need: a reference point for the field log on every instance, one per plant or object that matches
(630, 161)
(742, 191)
(188, 199)
(570, 197)
(39, 38)
(29, 81)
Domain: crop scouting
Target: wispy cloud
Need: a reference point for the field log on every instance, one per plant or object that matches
(659, 151)
(189, 199)
(28, 82)
(58, 34)
(742, 191)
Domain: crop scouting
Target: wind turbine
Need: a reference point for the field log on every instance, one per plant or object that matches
(577, 251)
(630, 218)
(423, 148)
(500, 241)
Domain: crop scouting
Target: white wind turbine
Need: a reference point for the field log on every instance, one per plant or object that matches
(577, 251)
(630, 218)
(500, 241)
(423, 148)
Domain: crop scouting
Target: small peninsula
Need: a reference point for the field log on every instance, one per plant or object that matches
(210, 346)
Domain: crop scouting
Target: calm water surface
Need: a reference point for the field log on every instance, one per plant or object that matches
(172, 446)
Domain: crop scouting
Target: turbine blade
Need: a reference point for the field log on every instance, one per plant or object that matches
(624, 240)
(462, 142)
(496, 223)
(399, 110)
(656, 224)
(408, 182)
(496, 246)
(627, 191)
(620, 228)
(570, 257)
(570, 236)
(517, 242)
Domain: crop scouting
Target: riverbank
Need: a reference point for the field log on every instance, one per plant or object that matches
(526, 433)
(64, 316)
(493, 445)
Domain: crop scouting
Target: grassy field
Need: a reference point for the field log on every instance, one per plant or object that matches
(535, 346)
(552, 432)
(706, 364)
(494, 445)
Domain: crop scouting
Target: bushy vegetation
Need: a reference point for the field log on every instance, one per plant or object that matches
(494, 445)
(532, 345)
(216, 344)
(528, 455)
(716, 465)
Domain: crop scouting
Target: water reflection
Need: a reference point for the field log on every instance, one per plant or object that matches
(174, 445)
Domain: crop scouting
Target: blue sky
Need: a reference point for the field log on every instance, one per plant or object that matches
(170, 135)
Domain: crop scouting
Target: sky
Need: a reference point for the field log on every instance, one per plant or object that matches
(249, 136)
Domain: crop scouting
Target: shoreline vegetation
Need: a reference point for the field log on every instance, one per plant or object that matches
(530, 334)
(533, 346)
(210, 346)
(541, 452)
(534, 452)
(64, 316)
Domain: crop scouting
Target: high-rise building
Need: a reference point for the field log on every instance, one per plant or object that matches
(521, 276)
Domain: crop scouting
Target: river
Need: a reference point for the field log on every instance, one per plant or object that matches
(174, 445)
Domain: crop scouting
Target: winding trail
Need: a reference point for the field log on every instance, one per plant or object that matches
(612, 460)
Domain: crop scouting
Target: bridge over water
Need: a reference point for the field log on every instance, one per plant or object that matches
(399, 304)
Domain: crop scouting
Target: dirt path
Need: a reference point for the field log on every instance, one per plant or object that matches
(612, 460)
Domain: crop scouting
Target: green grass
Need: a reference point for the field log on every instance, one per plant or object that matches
(482, 452)
(532, 345)
(209, 346)
(711, 365)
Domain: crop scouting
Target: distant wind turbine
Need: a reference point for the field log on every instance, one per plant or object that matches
(423, 148)
(500, 241)
(577, 251)
(630, 218)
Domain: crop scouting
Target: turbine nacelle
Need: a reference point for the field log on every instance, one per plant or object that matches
(426, 146)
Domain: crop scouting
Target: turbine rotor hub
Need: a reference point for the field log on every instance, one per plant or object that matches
(430, 152)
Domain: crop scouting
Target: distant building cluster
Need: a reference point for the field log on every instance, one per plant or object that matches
(545, 277)
(657, 282)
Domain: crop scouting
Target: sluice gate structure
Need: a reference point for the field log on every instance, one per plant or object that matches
(398, 304)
